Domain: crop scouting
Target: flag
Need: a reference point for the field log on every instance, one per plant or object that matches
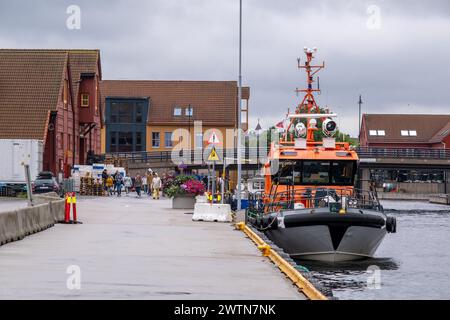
(280, 125)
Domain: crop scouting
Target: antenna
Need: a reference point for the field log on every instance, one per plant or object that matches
(318, 86)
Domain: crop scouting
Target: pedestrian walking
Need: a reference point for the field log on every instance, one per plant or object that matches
(144, 184)
(128, 183)
(114, 177)
(138, 185)
(110, 184)
(149, 181)
(156, 185)
(104, 177)
(119, 183)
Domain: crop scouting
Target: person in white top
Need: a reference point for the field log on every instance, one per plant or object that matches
(128, 184)
(156, 185)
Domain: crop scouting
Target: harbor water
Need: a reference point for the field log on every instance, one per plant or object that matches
(413, 263)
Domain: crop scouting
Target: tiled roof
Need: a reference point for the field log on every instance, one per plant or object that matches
(213, 102)
(441, 134)
(426, 126)
(30, 82)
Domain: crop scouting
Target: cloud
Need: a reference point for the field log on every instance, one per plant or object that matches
(405, 63)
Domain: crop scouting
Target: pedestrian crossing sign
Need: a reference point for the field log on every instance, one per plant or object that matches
(213, 156)
(214, 139)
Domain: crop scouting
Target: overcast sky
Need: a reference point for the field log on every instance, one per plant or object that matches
(399, 63)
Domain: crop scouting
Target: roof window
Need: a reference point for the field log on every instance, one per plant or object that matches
(380, 133)
(408, 133)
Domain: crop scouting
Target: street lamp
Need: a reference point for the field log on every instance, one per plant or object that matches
(239, 166)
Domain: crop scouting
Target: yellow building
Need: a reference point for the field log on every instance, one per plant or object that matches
(160, 115)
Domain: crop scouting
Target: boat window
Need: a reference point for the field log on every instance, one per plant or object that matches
(342, 172)
(316, 172)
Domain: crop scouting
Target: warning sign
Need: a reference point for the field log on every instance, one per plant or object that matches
(214, 139)
(213, 156)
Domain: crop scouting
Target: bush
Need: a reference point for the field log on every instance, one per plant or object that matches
(183, 185)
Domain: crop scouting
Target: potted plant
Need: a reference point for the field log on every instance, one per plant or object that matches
(183, 189)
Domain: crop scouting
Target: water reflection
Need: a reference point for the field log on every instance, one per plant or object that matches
(346, 275)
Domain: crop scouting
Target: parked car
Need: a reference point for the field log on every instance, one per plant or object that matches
(45, 182)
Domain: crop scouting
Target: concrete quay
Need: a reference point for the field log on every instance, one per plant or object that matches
(138, 248)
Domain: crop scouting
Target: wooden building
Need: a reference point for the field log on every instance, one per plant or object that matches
(52, 96)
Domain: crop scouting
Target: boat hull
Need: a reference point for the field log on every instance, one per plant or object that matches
(319, 242)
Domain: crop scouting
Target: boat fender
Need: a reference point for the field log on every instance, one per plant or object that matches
(391, 224)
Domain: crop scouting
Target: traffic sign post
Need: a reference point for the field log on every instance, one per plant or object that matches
(213, 157)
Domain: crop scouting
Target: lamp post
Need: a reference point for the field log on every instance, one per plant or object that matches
(239, 166)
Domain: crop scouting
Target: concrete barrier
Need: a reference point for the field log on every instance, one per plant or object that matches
(17, 224)
(212, 212)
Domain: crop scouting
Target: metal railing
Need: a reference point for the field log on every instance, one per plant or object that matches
(405, 153)
(260, 203)
(190, 156)
(256, 155)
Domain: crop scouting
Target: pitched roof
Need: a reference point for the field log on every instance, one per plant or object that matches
(30, 82)
(426, 126)
(441, 134)
(82, 62)
(213, 102)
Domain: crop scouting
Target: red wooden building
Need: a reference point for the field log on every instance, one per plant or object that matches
(53, 96)
(405, 131)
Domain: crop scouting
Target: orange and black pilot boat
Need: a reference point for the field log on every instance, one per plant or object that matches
(310, 206)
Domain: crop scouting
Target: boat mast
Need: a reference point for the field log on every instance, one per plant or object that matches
(308, 99)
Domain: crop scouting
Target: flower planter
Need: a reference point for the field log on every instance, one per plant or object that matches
(183, 202)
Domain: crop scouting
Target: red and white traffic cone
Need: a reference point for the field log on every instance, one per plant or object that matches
(74, 206)
(67, 209)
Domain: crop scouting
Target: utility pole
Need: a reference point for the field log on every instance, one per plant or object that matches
(239, 166)
(360, 102)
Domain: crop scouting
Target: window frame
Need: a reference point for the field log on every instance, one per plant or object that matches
(175, 113)
(154, 139)
(83, 96)
(170, 140)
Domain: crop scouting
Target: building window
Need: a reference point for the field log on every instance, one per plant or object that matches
(138, 141)
(125, 142)
(189, 111)
(168, 139)
(125, 112)
(199, 140)
(408, 133)
(380, 133)
(155, 139)
(139, 108)
(85, 100)
(177, 111)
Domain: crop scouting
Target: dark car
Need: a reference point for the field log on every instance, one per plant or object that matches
(44, 184)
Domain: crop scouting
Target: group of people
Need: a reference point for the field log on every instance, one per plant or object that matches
(149, 184)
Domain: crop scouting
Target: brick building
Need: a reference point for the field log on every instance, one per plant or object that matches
(405, 131)
(52, 96)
